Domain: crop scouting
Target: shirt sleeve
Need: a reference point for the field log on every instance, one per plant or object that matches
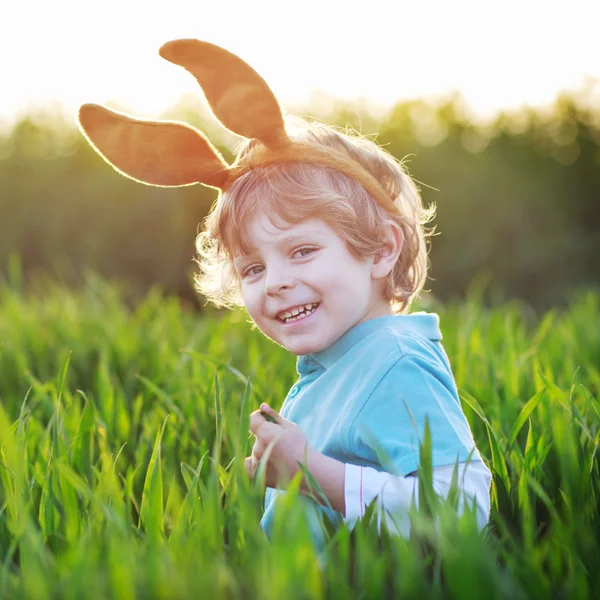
(394, 494)
(389, 427)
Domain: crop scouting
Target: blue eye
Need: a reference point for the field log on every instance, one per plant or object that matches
(250, 271)
(306, 251)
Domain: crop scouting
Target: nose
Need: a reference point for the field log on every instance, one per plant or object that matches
(277, 279)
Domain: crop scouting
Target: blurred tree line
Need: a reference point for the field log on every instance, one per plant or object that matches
(518, 199)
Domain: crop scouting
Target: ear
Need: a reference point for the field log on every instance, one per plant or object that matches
(238, 96)
(161, 153)
(387, 257)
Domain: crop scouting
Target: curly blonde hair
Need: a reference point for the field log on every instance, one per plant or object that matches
(297, 191)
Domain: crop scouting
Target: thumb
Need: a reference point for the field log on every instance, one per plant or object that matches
(274, 416)
(267, 412)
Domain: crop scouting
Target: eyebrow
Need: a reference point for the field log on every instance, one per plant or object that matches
(283, 242)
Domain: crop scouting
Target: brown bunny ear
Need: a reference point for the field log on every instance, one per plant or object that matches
(161, 153)
(238, 96)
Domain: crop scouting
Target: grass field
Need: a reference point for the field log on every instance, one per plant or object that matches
(123, 433)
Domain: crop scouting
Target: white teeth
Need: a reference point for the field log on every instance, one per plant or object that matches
(298, 313)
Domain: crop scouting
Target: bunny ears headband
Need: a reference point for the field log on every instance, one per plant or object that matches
(168, 153)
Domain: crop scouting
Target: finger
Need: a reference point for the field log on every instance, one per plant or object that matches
(265, 430)
(256, 420)
(258, 449)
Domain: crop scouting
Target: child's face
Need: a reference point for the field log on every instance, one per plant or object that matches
(306, 264)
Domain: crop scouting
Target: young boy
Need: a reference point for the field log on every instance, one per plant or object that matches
(321, 267)
(321, 237)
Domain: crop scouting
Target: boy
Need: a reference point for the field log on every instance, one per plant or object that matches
(321, 237)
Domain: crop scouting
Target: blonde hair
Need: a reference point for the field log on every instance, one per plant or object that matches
(297, 191)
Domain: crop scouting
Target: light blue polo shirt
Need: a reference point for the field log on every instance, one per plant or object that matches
(364, 400)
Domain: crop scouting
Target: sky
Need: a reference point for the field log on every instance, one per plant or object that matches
(498, 55)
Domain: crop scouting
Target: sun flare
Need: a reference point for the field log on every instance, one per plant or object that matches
(499, 56)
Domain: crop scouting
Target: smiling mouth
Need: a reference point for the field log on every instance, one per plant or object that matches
(301, 312)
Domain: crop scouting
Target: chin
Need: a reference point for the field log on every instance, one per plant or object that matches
(302, 348)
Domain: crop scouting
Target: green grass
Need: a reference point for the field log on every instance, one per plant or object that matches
(123, 433)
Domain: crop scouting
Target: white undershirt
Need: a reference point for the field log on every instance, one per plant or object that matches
(395, 494)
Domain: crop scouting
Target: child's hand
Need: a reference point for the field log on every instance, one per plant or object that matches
(290, 446)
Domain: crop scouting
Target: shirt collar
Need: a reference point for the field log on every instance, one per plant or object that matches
(420, 323)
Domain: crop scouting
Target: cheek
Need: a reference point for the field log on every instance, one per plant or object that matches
(345, 275)
(250, 298)
(254, 303)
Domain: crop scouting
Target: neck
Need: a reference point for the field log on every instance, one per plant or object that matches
(382, 308)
